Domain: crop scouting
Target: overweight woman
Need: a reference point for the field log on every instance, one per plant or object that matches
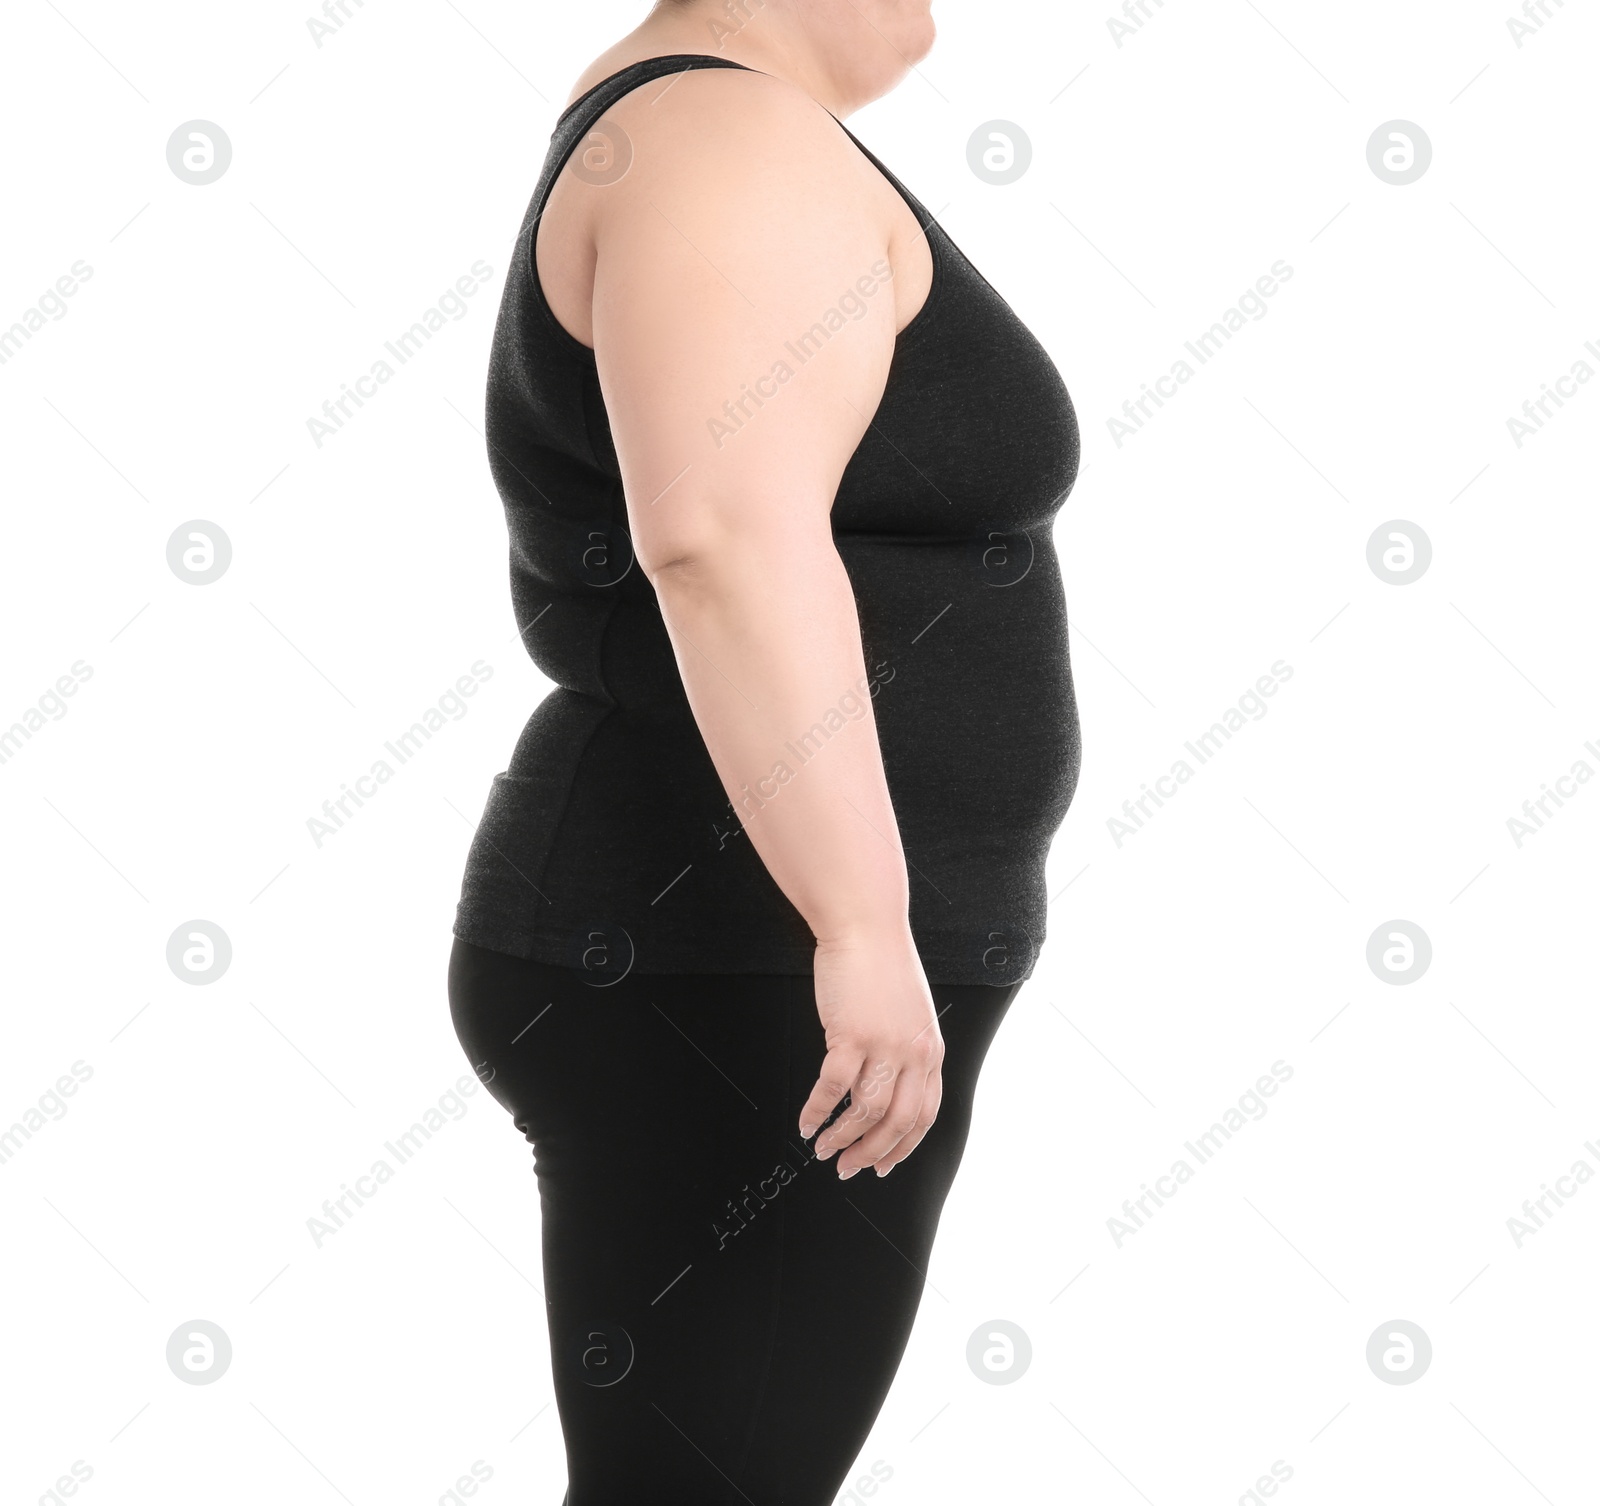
(766, 868)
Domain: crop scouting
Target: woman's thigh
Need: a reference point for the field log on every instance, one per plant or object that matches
(725, 1315)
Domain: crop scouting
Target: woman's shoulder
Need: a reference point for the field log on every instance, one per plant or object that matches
(733, 132)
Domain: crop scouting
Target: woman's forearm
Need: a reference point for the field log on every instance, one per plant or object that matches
(769, 648)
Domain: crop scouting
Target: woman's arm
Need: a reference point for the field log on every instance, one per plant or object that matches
(744, 317)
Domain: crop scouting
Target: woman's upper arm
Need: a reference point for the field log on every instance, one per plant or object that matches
(744, 317)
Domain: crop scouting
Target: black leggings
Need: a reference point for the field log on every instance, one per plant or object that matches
(725, 1314)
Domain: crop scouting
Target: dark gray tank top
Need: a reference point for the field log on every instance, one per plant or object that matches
(608, 843)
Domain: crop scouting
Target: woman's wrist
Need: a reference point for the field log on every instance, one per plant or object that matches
(875, 929)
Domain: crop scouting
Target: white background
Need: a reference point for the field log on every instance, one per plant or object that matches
(1230, 932)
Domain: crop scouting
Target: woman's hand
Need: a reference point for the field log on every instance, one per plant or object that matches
(884, 1049)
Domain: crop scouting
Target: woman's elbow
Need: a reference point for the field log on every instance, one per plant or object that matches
(735, 560)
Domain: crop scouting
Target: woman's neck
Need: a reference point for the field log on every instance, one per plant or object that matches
(769, 35)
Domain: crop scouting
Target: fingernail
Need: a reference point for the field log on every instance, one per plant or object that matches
(822, 1155)
(884, 1171)
(844, 1176)
(807, 1131)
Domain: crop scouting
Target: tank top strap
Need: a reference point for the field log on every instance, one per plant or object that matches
(606, 156)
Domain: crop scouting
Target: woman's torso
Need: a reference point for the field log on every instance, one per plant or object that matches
(609, 841)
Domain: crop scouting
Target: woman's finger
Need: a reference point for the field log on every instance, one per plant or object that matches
(840, 1068)
(898, 1119)
(870, 1095)
(931, 1099)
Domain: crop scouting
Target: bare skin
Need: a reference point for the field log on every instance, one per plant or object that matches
(744, 216)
